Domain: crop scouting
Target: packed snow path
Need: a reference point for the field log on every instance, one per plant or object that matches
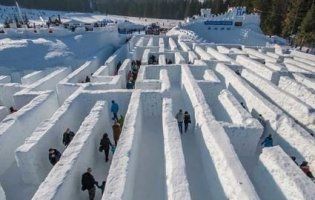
(235, 95)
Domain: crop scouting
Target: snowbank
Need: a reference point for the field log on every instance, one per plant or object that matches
(277, 175)
(62, 182)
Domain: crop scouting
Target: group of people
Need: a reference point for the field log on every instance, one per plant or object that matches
(53, 154)
(133, 73)
(88, 182)
(152, 60)
(168, 61)
(183, 118)
(268, 142)
(12, 110)
(87, 79)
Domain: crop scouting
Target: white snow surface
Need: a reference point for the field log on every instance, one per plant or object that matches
(236, 95)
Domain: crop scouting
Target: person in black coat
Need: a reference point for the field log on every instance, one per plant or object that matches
(105, 144)
(54, 156)
(87, 79)
(88, 183)
(67, 137)
(187, 120)
(102, 187)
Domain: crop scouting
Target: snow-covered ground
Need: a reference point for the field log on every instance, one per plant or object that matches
(236, 96)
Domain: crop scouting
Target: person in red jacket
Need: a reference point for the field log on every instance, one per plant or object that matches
(306, 169)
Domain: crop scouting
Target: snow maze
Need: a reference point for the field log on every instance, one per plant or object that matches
(224, 88)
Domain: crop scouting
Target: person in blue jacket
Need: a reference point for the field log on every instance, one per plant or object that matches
(267, 142)
(114, 109)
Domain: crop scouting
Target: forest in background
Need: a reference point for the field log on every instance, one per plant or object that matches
(278, 17)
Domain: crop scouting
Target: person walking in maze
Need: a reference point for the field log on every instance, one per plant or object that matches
(116, 131)
(88, 183)
(54, 156)
(67, 137)
(114, 109)
(306, 169)
(105, 144)
(102, 187)
(130, 84)
(268, 142)
(187, 120)
(180, 120)
(87, 79)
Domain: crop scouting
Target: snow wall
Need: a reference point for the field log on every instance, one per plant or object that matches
(18, 126)
(80, 154)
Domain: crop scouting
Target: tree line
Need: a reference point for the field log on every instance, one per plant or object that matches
(278, 17)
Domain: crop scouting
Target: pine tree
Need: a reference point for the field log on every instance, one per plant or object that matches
(296, 11)
(307, 29)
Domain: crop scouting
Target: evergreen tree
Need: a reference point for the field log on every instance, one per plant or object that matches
(307, 28)
(296, 11)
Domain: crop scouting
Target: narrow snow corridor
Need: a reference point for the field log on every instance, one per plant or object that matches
(198, 183)
(150, 170)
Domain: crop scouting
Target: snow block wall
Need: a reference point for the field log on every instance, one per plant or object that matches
(236, 96)
(15, 128)
(278, 175)
(79, 155)
(3, 112)
(5, 79)
(119, 183)
(210, 132)
(302, 112)
(32, 162)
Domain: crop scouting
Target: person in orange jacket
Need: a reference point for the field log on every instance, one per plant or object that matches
(116, 131)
